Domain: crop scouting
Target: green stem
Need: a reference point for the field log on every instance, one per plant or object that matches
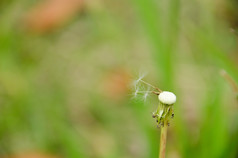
(163, 139)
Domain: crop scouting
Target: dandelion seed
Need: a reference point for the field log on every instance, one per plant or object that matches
(136, 92)
(141, 76)
(146, 95)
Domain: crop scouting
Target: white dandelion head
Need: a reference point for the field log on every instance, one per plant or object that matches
(167, 97)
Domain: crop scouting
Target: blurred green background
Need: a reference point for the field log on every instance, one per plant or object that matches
(66, 69)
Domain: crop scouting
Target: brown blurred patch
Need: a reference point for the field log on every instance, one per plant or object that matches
(33, 155)
(227, 10)
(50, 14)
(115, 84)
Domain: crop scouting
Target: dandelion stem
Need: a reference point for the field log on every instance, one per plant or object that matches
(151, 85)
(163, 139)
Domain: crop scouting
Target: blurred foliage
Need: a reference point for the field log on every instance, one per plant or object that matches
(64, 85)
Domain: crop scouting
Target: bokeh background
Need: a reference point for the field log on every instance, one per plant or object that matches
(67, 68)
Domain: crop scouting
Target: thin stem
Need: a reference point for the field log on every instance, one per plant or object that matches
(145, 91)
(163, 139)
(157, 93)
(230, 80)
(151, 85)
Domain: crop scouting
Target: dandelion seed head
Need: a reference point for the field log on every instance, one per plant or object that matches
(167, 97)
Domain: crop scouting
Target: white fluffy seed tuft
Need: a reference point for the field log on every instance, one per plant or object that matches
(167, 97)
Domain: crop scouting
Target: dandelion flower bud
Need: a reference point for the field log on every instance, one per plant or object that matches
(167, 97)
